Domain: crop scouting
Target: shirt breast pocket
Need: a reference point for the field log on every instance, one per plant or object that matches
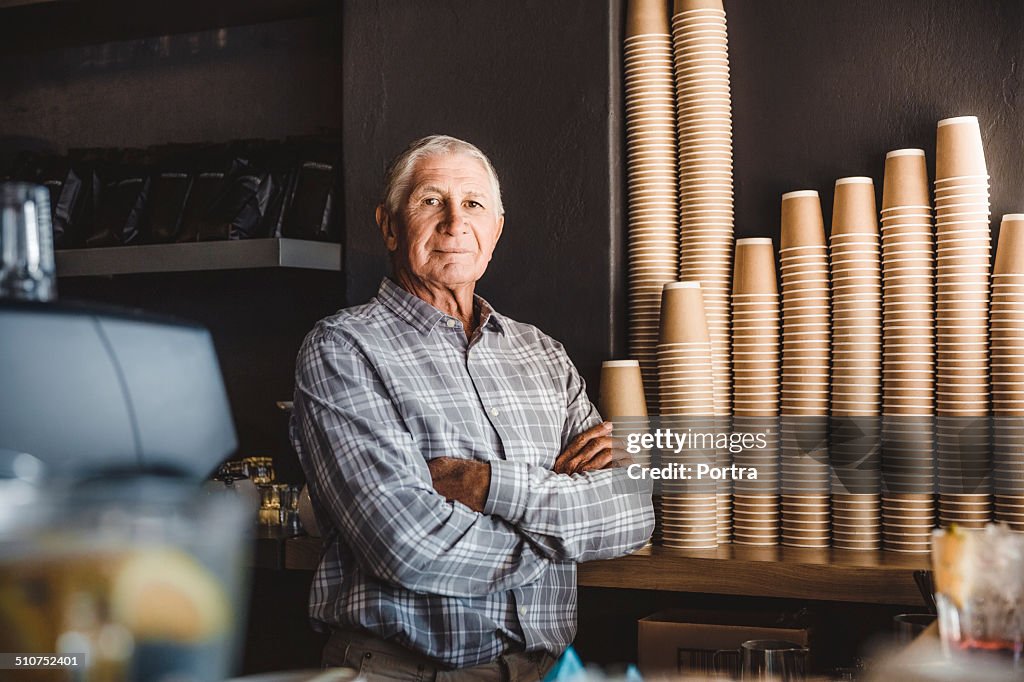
(542, 414)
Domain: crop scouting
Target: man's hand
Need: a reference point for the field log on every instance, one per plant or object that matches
(589, 451)
(461, 480)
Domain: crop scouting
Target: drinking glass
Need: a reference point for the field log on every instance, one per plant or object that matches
(145, 584)
(979, 592)
(270, 505)
(260, 469)
(27, 269)
(772, 659)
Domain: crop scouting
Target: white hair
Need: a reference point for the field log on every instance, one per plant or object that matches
(398, 175)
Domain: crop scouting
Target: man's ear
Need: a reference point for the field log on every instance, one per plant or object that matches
(387, 228)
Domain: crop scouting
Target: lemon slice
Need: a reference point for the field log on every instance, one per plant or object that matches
(165, 594)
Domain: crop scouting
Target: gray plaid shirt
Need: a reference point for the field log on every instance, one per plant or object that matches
(384, 387)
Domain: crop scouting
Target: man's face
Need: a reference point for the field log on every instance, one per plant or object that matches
(445, 231)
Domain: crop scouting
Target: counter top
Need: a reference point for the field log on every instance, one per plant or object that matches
(786, 572)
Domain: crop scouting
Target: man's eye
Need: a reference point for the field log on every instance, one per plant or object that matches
(474, 204)
(432, 201)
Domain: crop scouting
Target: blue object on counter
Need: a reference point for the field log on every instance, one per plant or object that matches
(567, 667)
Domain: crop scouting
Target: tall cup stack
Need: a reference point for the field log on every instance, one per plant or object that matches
(688, 507)
(1008, 372)
(652, 178)
(621, 400)
(806, 352)
(704, 126)
(856, 366)
(964, 242)
(908, 354)
(755, 353)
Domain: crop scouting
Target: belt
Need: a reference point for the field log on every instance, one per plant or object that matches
(378, 659)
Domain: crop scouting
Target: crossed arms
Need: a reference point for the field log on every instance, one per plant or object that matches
(486, 527)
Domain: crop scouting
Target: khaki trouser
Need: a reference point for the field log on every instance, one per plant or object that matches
(377, 659)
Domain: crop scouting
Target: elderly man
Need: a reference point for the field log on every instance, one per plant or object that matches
(457, 467)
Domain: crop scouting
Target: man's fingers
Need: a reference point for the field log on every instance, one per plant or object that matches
(591, 450)
(603, 460)
(579, 443)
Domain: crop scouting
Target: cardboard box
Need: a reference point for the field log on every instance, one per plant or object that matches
(671, 642)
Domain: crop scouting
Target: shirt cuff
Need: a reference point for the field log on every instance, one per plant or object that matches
(506, 496)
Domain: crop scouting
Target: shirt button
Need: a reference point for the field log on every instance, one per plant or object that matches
(522, 610)
(494, 412)
(451, 323)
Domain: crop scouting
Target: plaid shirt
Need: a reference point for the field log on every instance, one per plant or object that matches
(384, 387)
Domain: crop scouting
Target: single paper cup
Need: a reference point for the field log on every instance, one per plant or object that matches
(621, 391)
(958, 149)
(906, 179)
(802, 223)
(682, 314)
(853, 209)
(645, 17)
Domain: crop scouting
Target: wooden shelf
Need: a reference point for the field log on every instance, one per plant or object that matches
(785, 572)
(302, 553)
(34, 25)
(225, 255)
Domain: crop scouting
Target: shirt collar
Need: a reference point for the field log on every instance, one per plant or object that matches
(423, 316)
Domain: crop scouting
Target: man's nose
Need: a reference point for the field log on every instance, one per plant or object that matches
(455, 219)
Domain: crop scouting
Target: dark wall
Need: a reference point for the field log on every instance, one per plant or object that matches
(823, 90)
(532, 84)
(262, 81)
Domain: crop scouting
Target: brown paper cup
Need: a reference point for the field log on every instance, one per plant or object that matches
(906, 179)
(622, 390)
(682, 314)
(754, 269)
(958, 148)
(1010, 248)
(680, 6)
(853, 208)
(802, 223)
(647, 16)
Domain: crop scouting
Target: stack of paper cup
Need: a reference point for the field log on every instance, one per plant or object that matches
(962, 324)
(806, 352)
(1008, 372)
(755, 353)
(704, 125)
(908, 354)
(856, 366)
(651, 171)
(621, 400)
(688, 507)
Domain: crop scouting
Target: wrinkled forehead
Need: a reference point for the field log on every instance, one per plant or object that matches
(451, 172)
